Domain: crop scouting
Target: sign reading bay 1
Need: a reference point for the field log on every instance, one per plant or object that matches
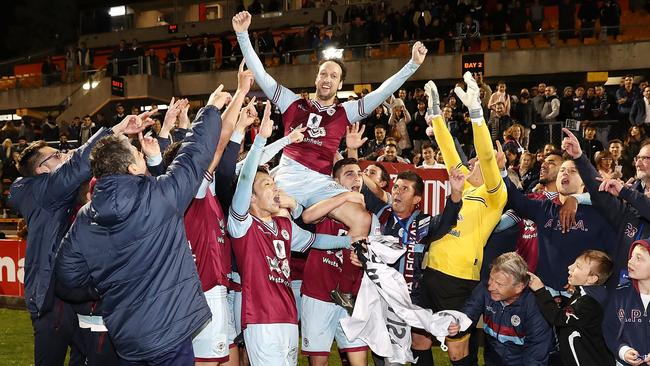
(474, 63)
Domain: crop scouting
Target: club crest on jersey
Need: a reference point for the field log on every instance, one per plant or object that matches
(331, 111)
(286, 270)
(279, 249)
(284, 234)
(515, 320)
(313, 126)
(339, 255)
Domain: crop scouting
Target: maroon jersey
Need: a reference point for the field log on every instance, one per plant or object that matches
(326, 126)
(263, 257)
(327, 270)
(206, 233)
(527, 242)
(298, 261)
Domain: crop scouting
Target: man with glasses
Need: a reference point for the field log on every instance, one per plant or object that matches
(625, 208)
(45, 196)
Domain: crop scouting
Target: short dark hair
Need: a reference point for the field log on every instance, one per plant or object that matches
(170, 153)
(344, 70)
(111, 156)
(341, 163)
(384, 173)
(86, 116)
(29, 157)
(412, 176)
(590, 125)
(427, 145)
(615, 141)
(381, 126)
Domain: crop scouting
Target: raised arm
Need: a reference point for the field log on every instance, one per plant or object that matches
(482, 140)
(440, 225)
(278, 94)
(184, 174)
(239, 219)
(301, 240)
(356, 110)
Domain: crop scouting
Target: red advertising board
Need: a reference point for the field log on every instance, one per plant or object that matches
(12, 264)
(435, 184)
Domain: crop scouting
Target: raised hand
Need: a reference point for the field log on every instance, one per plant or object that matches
(297, 135)
(535, 283)
(183, 117)
(571, 145)
(241, 21)
(418, 53)
(219, 98)
(611, 186)
(433, 98)
(245, 78)
(246, 116)
(457, 183)
(132, 124)
(174, 109)
(266, 127)
(500, 156)
(354, 137)
(150, 146)
(471, 97)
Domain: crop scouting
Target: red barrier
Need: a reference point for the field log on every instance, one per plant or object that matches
(12, 264)
(435, 184)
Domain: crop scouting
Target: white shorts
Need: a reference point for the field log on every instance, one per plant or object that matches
(213, 342)
(295, 288)
(272, 344)
(305, 185)
(320, 325)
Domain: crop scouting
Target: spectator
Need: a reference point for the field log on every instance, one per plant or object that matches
(73, 128)
(625, 97)
(512, 138)
(429, 158)
(418, 126)
(580, 108)
(640, 112)
(600, 103)
(539, 99)
(498, 21)
(566, 104)
(22, 144)
(421, 22)
(500, 122)
(582, 317)
(390, 155)
(635, 137)
(499, 95)
(119, 114)
(509, 307)
(329, 15)
(605, 166)
(50, 130)
(398, 121)
(616, 148)
(9, 131)
(610, 17)
(437, 33)
(188, 55)
(26, 129)
(456, 108)
(50, 72)
(470, 34)
(70, 64)
(137, 53)
(256, 7)
(64, 146)
(590, 145)
(528, 171)
(357, 36)
(152, 63)
(525, 114)
(7, 154)
(86, 129)
(567, 19)
(452, 124)
(536, 16)
(627, 340)
(85, 59)
(375, 147)
(206, 54)
(587, 14)
(121, 56)
(518, 20)
(171, 63)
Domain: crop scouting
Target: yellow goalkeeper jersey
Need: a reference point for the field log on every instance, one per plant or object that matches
(460, 252)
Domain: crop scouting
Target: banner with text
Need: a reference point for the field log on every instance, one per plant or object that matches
(12, 264)
(435, 184)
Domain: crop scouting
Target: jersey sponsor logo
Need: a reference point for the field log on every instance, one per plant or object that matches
(555, 224)
(285, 234)
(630, 230)
(635, 316)
(279, 248)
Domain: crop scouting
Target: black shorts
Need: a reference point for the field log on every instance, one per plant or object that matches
(439, 291)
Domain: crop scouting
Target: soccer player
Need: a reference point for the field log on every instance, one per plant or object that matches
(45, 196)
(329, 270)
(454, 261)
(262, 240)
(311, 161)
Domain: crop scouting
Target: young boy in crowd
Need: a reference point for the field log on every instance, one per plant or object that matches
(578, 325)
(626, 324)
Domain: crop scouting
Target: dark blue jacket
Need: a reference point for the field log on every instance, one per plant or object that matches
(558, 250)
(130, 243)
(626, 322)
(46, 202)
(637, 114)
(515, 334)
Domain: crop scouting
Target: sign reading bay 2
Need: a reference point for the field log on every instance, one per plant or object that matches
(474, 63)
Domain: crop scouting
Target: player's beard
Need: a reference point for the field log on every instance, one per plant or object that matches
(325, 97)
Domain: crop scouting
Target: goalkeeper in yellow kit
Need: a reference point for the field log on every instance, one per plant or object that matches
(454, 262)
